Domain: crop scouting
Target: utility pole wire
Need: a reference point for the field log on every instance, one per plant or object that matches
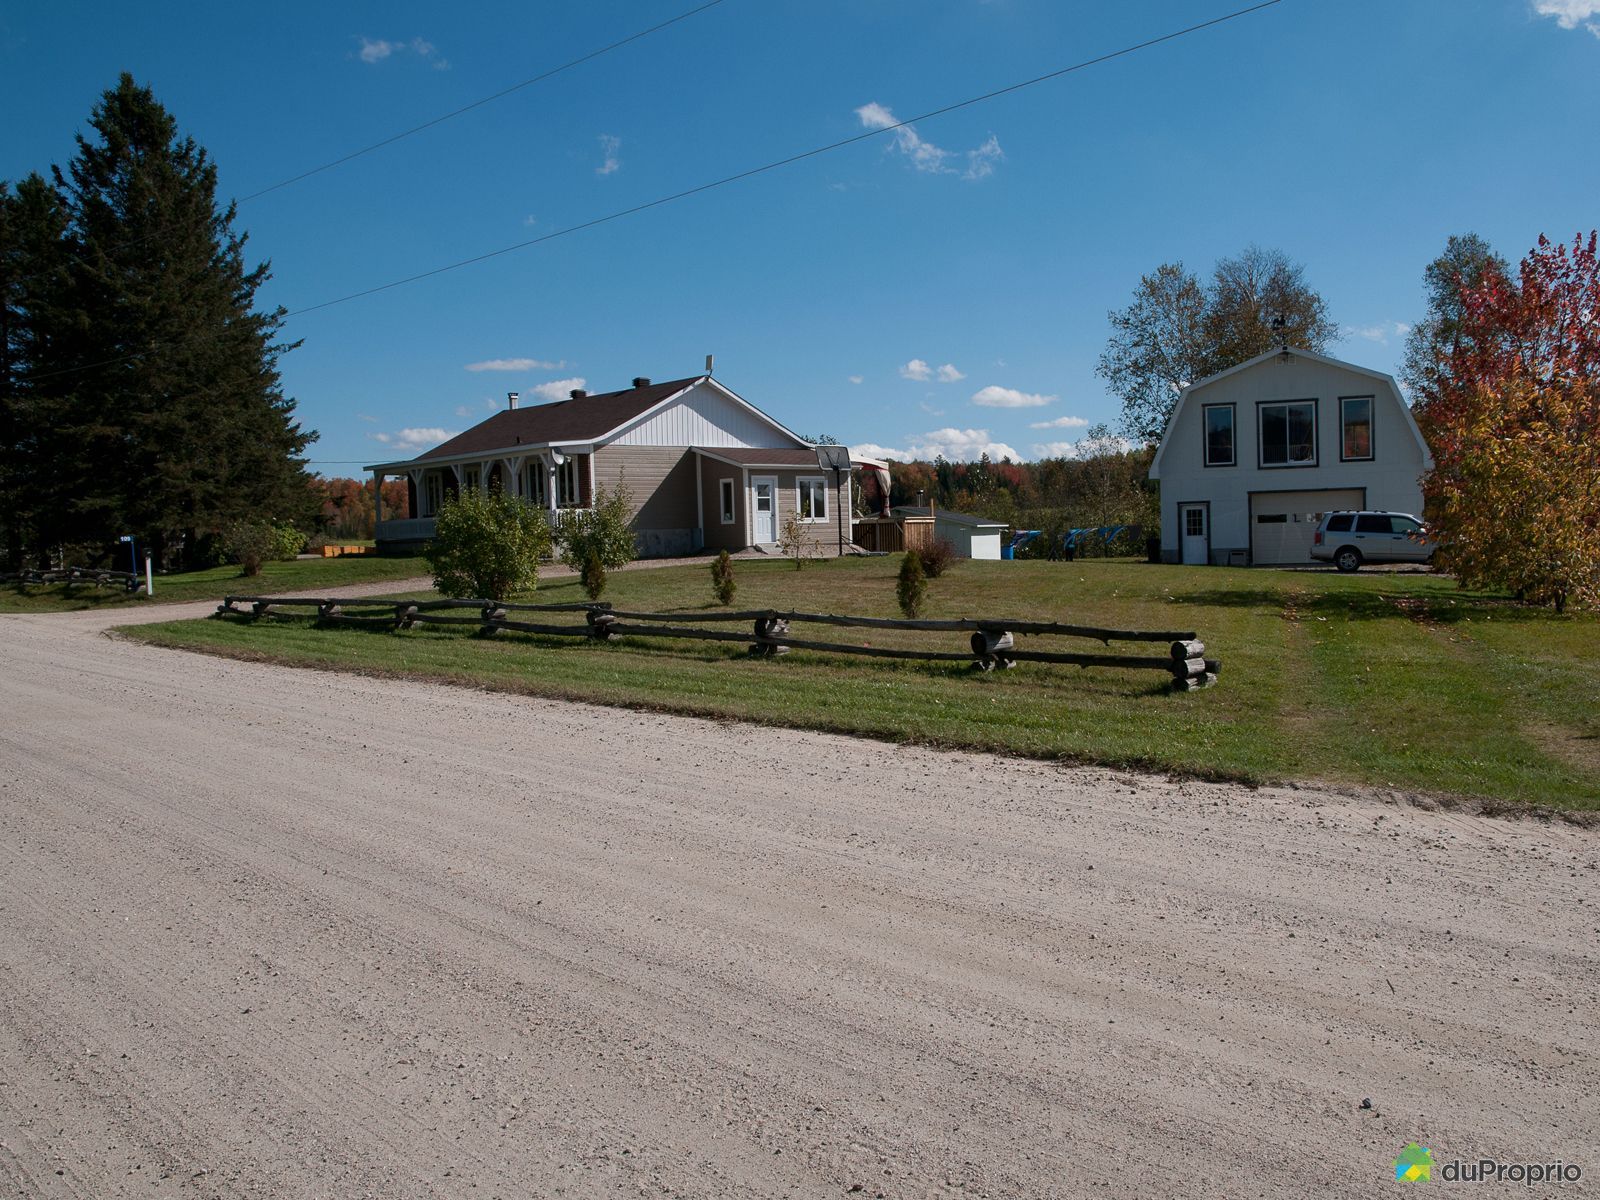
(753, 171)
(516, 87)
(790, 160)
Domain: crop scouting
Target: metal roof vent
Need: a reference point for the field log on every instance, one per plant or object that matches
(577, 393)
(511, 401)
(639, 381)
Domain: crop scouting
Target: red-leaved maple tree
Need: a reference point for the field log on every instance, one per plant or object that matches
(1514, 427)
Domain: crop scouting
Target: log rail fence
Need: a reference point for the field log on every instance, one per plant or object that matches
(992, 642)
(126, 580)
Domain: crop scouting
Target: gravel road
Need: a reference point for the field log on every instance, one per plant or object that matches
(279, 933)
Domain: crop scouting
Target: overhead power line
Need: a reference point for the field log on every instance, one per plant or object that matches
(790, 159)
(466, 108)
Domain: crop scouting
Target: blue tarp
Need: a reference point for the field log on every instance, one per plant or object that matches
(1018, 540)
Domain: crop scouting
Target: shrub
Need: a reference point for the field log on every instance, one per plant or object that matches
(795, 542)
(605, 532)
(287, 541)
(249, 543)
(913, 584)
(937, 557)
(593, 575)
(487, 546)
(723, 585)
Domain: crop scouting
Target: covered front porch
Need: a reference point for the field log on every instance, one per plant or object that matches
(557, 481)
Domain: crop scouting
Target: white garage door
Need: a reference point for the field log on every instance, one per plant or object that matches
(1281, 523)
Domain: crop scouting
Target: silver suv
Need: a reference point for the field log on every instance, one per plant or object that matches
(1348, 539)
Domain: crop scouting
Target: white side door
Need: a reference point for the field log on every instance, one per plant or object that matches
(764, 509)
(1195, 534)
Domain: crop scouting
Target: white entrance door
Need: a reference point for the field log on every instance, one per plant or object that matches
(764, 509)
(1192, 521)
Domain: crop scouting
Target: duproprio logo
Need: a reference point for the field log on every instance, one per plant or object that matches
(1415, 1162)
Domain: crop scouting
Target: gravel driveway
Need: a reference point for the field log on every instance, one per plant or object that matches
(279, 933)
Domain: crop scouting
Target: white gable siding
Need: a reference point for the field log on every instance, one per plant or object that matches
(1392, 480)
(703, 416)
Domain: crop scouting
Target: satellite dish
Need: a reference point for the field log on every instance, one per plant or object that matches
(834, 458)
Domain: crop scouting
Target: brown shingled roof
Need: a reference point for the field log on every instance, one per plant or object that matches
(564, 421)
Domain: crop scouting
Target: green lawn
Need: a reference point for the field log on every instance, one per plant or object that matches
(1381, 679)
(280, 577)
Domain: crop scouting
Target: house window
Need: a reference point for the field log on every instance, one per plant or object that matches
(813, 500)
(432, 493)
(568, 494)
(726, 488)
(469, 478)
(1194, 522)
(533, 483)
(1355, 428)
(1219, 435)
(1288, 434)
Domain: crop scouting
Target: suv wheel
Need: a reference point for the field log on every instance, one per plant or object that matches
(1348, 559)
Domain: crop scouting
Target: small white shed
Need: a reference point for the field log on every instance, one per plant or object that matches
(973, 537)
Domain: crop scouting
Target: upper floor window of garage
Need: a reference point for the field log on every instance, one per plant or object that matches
(1219, 435)
(1355, 428)
(1288, 433)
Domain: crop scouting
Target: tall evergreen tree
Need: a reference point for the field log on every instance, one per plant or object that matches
(1467, 263)
(175, 422)
(33, 225)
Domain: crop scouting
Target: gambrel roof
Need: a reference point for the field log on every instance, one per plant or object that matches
(1310, 355)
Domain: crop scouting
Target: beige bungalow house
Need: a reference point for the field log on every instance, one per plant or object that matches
(706, 469)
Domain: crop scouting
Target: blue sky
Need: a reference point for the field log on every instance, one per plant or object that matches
(943, 289)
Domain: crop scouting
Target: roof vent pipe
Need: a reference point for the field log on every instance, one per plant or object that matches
(639, 381)
(511, 401)
(577, 393)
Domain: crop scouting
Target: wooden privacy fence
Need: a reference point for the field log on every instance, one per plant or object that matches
(992, 643)
(126, 580)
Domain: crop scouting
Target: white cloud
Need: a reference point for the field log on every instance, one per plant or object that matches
(1062, 423)
(980, 162)
(1569, 14)
(516, 364)
(463, 411)
(558, 389)
(530, 220)
(612, 163)
(365, 417)
(930, 409)
(918, 370)
(1381, 332)
(856, 378)
(924, 155)
(374, 50)
(949, 374)
(999, 397)
(956, 445)
(409, 441)
(1084, 448)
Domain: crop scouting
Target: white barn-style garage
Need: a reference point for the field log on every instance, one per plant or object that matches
(1253, 456)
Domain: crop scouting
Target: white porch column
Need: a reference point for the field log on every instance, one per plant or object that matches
(550, 486)
(416, 490)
